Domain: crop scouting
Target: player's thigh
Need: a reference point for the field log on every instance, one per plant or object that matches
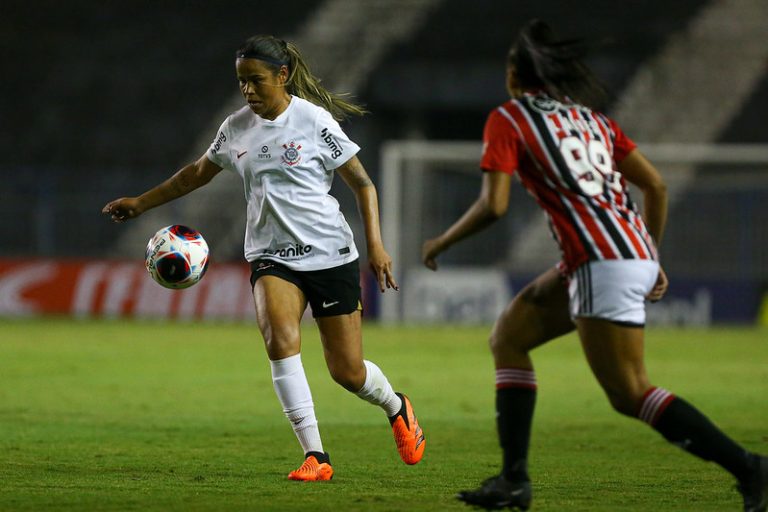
(616, 356)
(537, 314)
(280, 305)
(341, 336)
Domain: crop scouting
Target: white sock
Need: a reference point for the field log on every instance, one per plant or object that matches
(293, 392)
(378, 391)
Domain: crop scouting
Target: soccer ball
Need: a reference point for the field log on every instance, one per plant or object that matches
(177, 256)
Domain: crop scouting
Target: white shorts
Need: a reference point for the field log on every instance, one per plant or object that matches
(612, 290)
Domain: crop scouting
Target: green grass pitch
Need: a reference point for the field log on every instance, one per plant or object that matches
(173, 416)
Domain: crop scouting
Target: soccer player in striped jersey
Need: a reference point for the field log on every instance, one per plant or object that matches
(285, 145)
(574, 161)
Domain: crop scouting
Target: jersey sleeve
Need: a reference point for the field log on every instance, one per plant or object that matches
(500, 145)
(622, 145)
(219, 150)
(334, 146)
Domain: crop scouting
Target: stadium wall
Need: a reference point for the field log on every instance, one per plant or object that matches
(121, 289)
(469, 295)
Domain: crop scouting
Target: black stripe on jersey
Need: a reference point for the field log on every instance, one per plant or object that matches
(642, 238)
(614, 233)
(557, 156)
(554, 152)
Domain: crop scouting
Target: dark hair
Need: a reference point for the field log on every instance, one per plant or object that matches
(541, 61)
(301, 82)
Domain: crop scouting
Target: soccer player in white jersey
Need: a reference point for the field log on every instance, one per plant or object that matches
(285, 144)
(574, 162)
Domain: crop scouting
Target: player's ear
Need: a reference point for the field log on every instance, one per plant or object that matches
(282, 75)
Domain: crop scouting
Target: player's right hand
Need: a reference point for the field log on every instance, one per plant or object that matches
(122, 209)
(660, 288)
(429, 252)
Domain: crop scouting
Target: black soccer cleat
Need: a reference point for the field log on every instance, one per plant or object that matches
(755, 488)
(497, 492)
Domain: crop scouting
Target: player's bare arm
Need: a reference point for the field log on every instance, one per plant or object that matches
(187, 179)
(489, 207)
(640, 172)
(354, 175)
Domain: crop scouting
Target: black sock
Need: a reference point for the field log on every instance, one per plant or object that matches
(683, 425)
(322, 457)
(514, 410)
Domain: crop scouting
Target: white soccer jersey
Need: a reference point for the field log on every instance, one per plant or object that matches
(287, 170)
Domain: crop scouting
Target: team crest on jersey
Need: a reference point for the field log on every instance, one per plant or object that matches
(291, 155)
(543, 104)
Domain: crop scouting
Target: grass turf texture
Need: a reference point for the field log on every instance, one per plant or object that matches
(166, 416)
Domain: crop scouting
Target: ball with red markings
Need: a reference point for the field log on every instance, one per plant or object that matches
(177, 256)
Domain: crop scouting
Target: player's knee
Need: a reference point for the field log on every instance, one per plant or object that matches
(495, 343)
(350, 377)
(281, 343)
(511, 335)
(621, 405)
(624, 401)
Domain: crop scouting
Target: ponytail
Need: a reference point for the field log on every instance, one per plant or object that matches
(543, 62)
(301, 82)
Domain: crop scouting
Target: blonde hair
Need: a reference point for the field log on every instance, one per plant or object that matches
(301, 82)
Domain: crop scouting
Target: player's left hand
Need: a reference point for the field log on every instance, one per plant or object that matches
(660, 288)
(381, 264)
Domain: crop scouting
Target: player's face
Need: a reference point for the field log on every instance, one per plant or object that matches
(262, 88)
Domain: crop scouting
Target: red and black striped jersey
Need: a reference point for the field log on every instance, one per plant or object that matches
(565, 155)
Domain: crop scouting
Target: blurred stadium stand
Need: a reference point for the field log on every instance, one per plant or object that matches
(103, 100)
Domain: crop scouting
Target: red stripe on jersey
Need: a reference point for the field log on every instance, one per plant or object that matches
(637, 222)
(629, 231)
(593, 226)
(563, 227)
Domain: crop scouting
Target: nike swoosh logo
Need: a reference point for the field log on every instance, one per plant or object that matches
(241, 154)
(329, 304)
(263, 267)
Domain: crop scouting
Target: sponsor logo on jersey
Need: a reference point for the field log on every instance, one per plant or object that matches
(296, 251)
(221, 139)
(332, 143)
(291, 155)
(265, 154)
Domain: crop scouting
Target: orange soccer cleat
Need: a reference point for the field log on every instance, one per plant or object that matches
(408, 434)
(316, 467)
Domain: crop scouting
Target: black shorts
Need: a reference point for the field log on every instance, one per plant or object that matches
(330, 292)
